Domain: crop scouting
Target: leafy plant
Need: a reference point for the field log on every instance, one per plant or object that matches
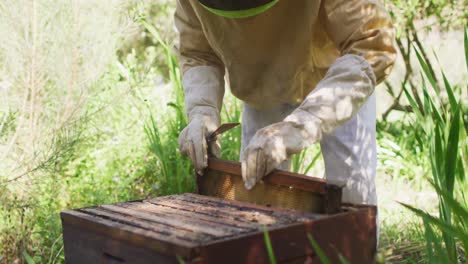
(445, 140)
(28, 258)
(51, 57)
(412, 19)
(231, 140)
(176, 171)
(301, 163)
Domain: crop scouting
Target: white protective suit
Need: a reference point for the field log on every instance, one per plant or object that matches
(304, 69)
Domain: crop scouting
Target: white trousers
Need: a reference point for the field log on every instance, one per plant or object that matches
(349, 153)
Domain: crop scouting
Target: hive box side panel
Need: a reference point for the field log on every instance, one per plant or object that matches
(138, 232)
(86, 236)
(84, 246)
(351, 234)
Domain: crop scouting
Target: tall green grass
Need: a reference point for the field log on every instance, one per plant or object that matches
(269, 247)
(306, 160)
(231, 140)
(444, 140)
(177, 172)
(54, 57)
(177, 176)
(317, 249)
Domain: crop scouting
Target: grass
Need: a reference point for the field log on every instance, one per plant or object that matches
(445, 138)
(269, 247)
(175, 171)
(316, 247)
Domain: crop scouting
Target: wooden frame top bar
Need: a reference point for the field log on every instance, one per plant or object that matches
(278, 177)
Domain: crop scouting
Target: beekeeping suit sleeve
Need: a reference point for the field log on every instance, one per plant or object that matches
(203, 82)
(363, 32)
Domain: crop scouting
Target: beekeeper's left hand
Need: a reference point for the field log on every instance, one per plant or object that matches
(347, 85)
(274, 144)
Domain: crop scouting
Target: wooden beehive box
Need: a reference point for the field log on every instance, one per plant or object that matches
(201, 228)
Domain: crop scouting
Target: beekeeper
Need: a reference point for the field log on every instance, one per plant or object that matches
(306, 72)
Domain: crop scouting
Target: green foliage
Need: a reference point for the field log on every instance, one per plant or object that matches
(444, 13)
(317, 249)
(97, 155)
(140, 41)
(231, 140)
(180, 260)
(304, 161)
(321, 254)
(445, 139)
(28, 258)
(269, 247)
(415, 21)
(323, 257)
(51, 59)
(465, 41)
(176, 172)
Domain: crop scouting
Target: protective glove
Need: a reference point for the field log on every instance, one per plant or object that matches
(274, 144)
(192, 140)
(204, 91)
(335, 100)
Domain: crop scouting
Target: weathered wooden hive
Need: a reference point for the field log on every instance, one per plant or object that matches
(225, 224)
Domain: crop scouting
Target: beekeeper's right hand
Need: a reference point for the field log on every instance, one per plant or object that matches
(204, 91)
(192, 140)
